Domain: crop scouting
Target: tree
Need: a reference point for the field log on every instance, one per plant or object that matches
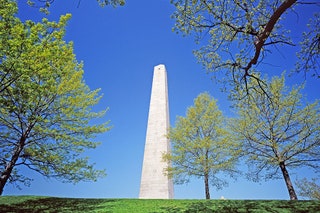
(309, 188)
(46, 117)
(238, 35)
(202, 147)
(278, 132)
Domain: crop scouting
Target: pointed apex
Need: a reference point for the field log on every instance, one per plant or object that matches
(160, 67)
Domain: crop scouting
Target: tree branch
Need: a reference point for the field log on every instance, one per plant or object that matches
(263, 36)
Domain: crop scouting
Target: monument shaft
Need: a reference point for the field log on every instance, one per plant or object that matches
(154, 183)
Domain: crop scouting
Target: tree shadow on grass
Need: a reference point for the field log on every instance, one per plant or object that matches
(278, 206)
(245, 206)
(59, 205)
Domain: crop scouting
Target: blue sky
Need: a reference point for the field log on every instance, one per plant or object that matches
(119, 47)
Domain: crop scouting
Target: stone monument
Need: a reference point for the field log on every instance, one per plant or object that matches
(154, 183)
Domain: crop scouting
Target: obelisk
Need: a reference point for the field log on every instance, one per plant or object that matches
(154, 183)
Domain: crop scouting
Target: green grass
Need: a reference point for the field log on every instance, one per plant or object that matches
(53, 204)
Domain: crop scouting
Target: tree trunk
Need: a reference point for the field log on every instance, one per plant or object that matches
(11, 164)
(206, 186)
(292, 193)
(206, 175)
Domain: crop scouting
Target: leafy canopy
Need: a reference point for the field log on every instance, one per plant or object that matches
(46, 116)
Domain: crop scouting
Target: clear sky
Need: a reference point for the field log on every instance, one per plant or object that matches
(119, 47)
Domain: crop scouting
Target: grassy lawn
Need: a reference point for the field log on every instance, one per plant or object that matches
(53, 204)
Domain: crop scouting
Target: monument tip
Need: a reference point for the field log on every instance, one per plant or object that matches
(160, 66)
